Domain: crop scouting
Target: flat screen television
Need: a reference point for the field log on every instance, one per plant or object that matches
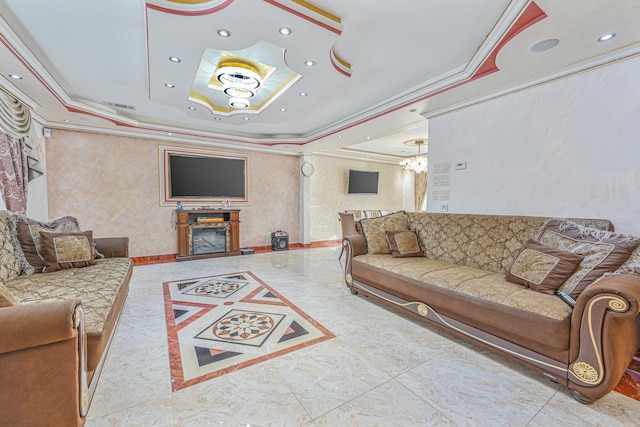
(363, 182)
(193, 176)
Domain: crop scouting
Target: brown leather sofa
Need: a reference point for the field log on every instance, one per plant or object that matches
(55, 331)
(459, 284)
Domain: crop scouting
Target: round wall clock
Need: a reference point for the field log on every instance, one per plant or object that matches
(307, 169)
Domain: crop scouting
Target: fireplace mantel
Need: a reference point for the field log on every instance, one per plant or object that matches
(187, 219)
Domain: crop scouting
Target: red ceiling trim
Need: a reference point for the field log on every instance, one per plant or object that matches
(532, 15)
(303, 16)
(190, 12)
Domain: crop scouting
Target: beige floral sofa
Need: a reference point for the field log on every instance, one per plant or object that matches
(56, 327)
(493, 280)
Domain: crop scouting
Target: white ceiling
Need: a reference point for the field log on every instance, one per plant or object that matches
(409, 60)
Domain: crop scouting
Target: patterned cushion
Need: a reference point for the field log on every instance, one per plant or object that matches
(7, 299)
(472, 282)
(9, 262)
(67, 250)
(374, 229)
(31, 241)
(604, 251)
(97, 286)
(403, 243)
(542, 268)
(632, 265)
(487, 242)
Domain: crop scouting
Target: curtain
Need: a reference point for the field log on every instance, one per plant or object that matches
(14, 173)
(419, 189)
(19, 152)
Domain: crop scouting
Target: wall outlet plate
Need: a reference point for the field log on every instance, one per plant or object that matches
(444, 207)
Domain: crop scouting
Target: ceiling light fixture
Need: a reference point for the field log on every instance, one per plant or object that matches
(192, 108)
(170, 85)
(285, 31)
(309, 63)
(240, 80)
(175, 59)
(223, 33)
(303, 93)
(417, 164)
(606, 37)
(15, 76)
(239, 103)
(283, 109)
(245, 118)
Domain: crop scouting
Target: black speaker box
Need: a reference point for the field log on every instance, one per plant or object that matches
(279, 241)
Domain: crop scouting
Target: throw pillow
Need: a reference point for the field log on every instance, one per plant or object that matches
(67, 250)
(403, 243)
(604, 251)
(542, 268)
(9, 262)
(373, 230)
(31, 241)
(632, 265)
(7, 299)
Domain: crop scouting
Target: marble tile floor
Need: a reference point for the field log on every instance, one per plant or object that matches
(381, 369)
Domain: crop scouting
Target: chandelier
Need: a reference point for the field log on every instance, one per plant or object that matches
(417, 164)
(240, 81)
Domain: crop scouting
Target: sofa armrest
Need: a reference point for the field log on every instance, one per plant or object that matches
(357, 245)
(113, 247)
(33, 325)
(43, 364)
(354, 245)
(605, 335)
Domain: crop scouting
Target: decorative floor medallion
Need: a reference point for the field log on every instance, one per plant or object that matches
(219, 324)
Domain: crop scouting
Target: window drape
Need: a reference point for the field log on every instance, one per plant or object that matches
(419, 189)
(19, 152)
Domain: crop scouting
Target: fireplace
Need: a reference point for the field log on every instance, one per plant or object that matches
(208, 240)
(207, 233)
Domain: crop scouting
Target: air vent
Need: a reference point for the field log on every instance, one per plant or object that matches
(122, 106)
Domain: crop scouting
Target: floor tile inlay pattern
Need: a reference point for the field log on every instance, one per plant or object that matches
(219, 324)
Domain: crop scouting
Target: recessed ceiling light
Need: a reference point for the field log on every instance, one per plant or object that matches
(303, 93)
(223, 33)
(606, 37)
(283, 109)
(543, 45)
(217, 118)
(339, 136)
(368, 138)
(169, 85)
(413, 110)
(67, 121)
(309, 63)
(192, 108)
(15, 76)
(285, 31)
(175, 59)
(169, 133)
(245, 118)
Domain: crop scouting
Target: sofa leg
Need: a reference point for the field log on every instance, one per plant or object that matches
(353, 291)
(581, 398)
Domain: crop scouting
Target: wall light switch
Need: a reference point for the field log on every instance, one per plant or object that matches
(444, 207)
(445, 167)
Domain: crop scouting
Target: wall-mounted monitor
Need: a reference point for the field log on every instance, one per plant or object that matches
(202, 177)
(363, 182)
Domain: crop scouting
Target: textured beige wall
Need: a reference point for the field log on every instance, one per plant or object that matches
(329, 186)
(111, 184)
